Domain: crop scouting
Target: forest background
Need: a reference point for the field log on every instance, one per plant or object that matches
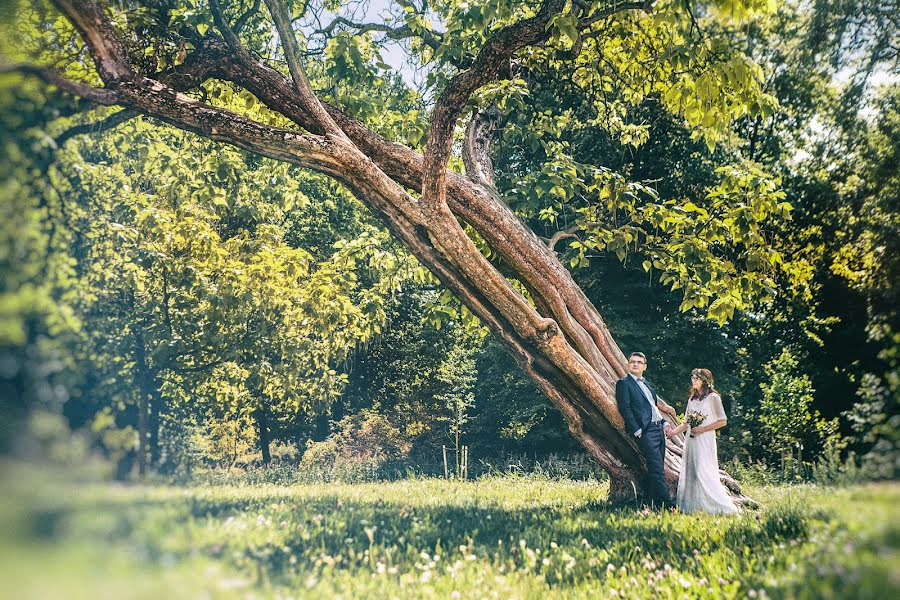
(252, 320)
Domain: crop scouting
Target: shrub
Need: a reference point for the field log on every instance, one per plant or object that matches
(364, 445)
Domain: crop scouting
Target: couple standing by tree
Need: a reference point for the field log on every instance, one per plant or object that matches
(699, 486)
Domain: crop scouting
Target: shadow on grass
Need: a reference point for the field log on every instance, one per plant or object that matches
(355, 535)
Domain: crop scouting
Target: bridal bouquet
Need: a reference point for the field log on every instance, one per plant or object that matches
(694, 418)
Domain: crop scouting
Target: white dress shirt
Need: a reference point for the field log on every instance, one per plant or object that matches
(649, 395)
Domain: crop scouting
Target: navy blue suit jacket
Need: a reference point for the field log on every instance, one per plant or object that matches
(633, 403)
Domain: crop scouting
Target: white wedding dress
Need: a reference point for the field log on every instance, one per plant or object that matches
(699, 486)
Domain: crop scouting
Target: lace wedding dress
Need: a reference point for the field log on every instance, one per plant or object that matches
(699, 486)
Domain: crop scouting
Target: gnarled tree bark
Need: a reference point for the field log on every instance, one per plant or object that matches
(560, 341)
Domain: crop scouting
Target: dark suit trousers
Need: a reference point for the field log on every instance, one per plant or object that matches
(653, 446)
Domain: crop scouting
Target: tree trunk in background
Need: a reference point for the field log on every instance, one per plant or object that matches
(262, 424)
(142, 383)
(156, 406)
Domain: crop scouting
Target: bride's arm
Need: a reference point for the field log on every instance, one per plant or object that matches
(680, 429)
(718, 413)
(711, 427)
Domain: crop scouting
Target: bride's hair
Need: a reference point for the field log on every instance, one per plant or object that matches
(706, 377)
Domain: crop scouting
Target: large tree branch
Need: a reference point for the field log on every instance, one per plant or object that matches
(488, 64)
(105, 47)
(476, 150)
(292, 54)
(195, 69)
(495, 53)
(434, 237)
(156, 99)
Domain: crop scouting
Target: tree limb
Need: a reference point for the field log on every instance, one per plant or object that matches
(105, 48)
(242, 20)
(476, 148)
(292, 53)
(560, 235)
(194, 70)
(222, 25)
(493, 55)
(431, 39)
(110, 122)
(106, 97)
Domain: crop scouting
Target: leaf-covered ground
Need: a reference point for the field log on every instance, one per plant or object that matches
(494, 538)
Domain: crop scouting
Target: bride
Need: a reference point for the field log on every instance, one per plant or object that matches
(699, 486)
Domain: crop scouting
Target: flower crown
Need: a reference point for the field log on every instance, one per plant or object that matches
(699, 375)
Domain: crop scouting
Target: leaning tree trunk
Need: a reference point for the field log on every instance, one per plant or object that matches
(557, 337)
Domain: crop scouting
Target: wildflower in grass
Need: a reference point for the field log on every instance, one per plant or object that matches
(232, 583)
(610, 568)
(585, 543)
(370, 533)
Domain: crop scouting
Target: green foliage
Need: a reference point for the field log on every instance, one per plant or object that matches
(456, 378)
(225, 442)
(363, 444)
(789, 424)
(876, 424)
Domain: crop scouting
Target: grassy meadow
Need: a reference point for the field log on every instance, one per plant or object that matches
(492, 538)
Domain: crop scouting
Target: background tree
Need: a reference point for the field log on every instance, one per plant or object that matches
(561, 341)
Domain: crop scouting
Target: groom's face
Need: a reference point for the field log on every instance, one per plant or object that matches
(637, 366)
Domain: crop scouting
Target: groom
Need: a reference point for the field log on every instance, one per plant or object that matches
(642, 411)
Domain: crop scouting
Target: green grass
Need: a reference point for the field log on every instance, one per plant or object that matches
(503, 538)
